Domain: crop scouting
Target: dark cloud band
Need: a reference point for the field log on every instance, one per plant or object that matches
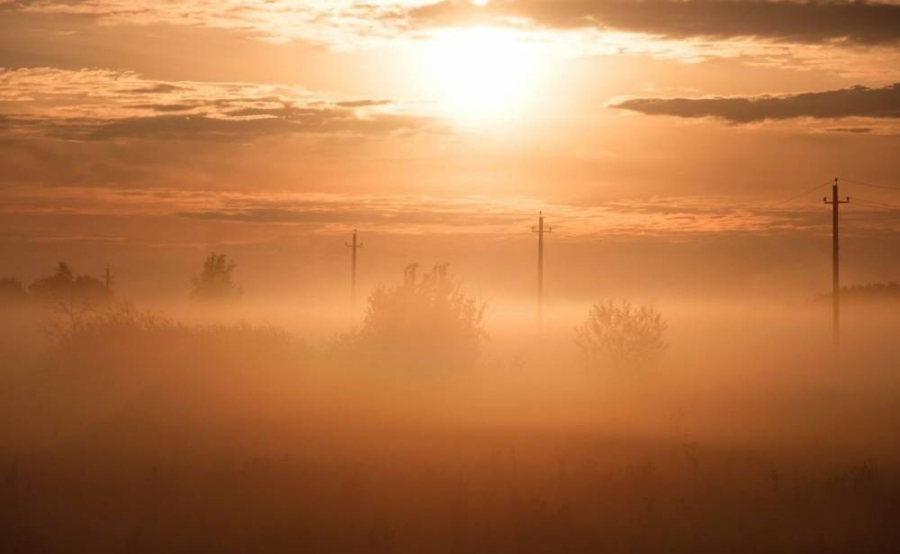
(91, 105)
(852, 102)
(862, 22)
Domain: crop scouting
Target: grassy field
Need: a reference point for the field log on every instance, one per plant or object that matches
(143, 434)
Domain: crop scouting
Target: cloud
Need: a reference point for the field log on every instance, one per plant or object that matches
(334, 21)
(103, 105)
(851, 130)
(863, 22)
(363, 103)
(668, 218)
(861, 102)
(850, 38)
(321, 21)
(402, 213)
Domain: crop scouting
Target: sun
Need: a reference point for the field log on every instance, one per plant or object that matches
(481, 74)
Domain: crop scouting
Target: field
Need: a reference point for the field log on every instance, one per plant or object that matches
(139, 433)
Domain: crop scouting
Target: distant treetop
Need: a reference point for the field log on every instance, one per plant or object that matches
(215, 283)
(868, 292)
(63, 283)
(11, 290)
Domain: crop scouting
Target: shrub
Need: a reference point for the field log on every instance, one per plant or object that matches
(428, 322)
(63, 283)
(122, 339)
(621, 335)
(175, 381)
(214, 283)
(73, 297)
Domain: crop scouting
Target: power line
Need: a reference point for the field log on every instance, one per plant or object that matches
(873, 185)
(877, 204)
(800, 195)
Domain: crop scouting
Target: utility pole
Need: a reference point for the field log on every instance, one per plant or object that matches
(355, 246)
(540, 230)
(835, 264)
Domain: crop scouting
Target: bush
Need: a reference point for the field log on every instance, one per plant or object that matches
(73, 297)
(134, 333)
(182, 384)
(214, 283)
(122, 352)
(418, 323)
(619, 335)
(64, 283)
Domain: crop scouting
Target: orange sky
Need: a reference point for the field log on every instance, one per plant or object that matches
(154, 128)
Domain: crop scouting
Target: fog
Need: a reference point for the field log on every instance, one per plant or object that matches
(435, 419)
(188, 363)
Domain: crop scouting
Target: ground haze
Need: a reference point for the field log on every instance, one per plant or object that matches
(487, 276)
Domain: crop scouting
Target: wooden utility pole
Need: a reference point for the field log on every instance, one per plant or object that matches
(835, 263)
(540, 230)
(355, 246)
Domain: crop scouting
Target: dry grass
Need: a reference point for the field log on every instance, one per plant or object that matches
(136, 433)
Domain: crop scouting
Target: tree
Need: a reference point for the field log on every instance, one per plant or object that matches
(619, 335)
(871, 292)
(11, 290)
(428, 322)
(61, 280)
(214, 283)
(72, 296)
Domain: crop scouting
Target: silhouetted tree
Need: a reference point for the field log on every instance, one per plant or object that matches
(72, 296)
(872, 292)
(620, 335)
(63, 282)
(423, 322)
(214, 283)
(11, 290)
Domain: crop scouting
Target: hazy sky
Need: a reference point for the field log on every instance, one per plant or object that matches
(156, 128)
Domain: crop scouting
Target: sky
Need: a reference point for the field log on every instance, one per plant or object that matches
(674, 145)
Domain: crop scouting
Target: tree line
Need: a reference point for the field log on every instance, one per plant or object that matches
(424, 318)
(62, 283)
(214, 283)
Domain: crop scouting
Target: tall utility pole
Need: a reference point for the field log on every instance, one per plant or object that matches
(835, 263)
(540, 230)
(355, 246)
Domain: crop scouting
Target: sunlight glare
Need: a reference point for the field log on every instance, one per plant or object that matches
(481, 74)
